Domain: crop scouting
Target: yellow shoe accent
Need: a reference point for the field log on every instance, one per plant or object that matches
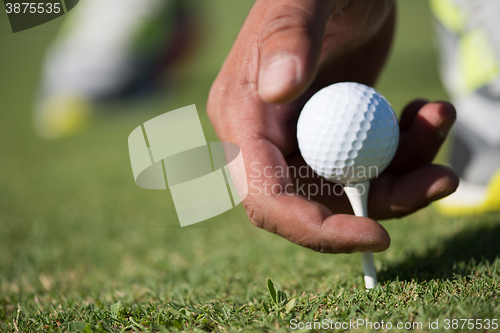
(468, 201)
(449, 14)
(477, 60)
(62, 116)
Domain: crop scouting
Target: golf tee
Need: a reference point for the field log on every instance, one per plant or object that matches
(369, 268)
(358, 197)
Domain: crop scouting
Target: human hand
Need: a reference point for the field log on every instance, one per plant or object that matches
(286, 51)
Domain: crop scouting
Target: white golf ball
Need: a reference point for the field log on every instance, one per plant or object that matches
(348, 133)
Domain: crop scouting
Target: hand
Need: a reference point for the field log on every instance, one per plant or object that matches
(286, 51)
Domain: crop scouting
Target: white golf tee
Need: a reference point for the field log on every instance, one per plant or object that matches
(358, 196)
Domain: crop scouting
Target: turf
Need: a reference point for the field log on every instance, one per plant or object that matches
(83, 249)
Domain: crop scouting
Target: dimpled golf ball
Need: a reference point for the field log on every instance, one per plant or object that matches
(348, 133)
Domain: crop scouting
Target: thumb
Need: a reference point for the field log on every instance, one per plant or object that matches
(290, 46)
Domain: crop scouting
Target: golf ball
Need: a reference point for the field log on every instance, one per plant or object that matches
(348, 133)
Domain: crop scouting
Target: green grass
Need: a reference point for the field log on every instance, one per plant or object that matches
(82, 248)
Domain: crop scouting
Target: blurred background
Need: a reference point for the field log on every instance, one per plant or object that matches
(75, 226)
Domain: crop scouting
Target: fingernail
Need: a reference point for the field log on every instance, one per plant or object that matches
(370, 248)
(279, 74)
(441, 193)
(445, 127)
(436, 193)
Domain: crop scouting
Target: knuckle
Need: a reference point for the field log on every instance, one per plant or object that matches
(256, 208)
(228, 96)
(254, 214)
(284, 18)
